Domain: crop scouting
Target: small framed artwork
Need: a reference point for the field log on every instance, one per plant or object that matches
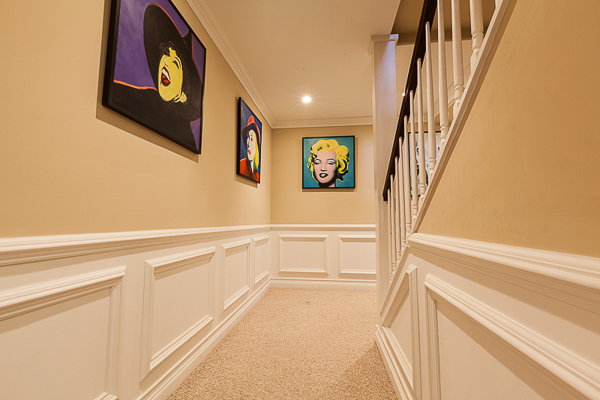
(249, 143)
(328, 162)
(155, 70)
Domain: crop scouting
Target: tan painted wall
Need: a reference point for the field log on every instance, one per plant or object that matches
(525, 170)
(69, 165)
(294, 205)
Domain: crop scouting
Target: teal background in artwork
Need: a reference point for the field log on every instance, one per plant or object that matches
(308, 181)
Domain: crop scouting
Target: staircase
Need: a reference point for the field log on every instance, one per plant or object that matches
(489, 279)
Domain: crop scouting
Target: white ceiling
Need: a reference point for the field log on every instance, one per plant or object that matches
(282, 50)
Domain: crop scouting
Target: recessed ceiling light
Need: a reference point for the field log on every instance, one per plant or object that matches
(306, 99)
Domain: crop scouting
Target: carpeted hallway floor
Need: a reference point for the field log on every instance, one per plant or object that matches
(297, 344)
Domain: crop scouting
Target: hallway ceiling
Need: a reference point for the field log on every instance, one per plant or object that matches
(283, 50)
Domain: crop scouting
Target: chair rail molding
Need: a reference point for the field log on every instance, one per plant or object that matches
(570, 278)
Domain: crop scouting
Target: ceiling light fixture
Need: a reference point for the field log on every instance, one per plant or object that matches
(306, 99)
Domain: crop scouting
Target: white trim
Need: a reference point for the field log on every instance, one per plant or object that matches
(569, 278)
(234, 245)
(230, 301)
(31, 298)
(227, 49)
(256, 242)
(568, 373)
(303, 238)
(261, 277)
(149, 361)
(171, 379)
(260, 239)
(354, 272)
(35, 297)
(400, 382)
(323, 283)
(405, 286)
(225, 304)
(106, 396)
(42, 248)
(323, 123)
(323, 227)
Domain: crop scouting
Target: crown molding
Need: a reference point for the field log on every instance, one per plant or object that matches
(323, 123)
(219, 37)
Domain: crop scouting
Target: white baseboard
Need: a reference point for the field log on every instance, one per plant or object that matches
(315, 283)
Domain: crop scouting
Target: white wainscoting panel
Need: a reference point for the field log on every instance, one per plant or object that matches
(81, 328)
(400, 331)
(495, 321)
(235, 273)
(303, 254)
(63, 334)
(567, 373)
(357, 255)
(261, 258)
(177, 303)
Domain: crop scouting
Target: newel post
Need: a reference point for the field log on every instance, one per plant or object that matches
(383, 56)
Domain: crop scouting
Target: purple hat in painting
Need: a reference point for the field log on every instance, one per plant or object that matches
(160, 35)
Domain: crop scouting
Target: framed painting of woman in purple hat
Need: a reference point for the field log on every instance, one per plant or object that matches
(155, 70)
(249, 143)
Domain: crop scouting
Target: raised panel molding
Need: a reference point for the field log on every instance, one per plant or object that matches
(390, 355)
(407, 285)
(573, 376)
(569, 278)
(106, 396)
(260, 241)
(226, 303)
(153, 267)
(304, 238)
(344, 270)
(31, 298)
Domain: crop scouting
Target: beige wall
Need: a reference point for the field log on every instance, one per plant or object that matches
(293, 205)
(69, 165)
(525, 170)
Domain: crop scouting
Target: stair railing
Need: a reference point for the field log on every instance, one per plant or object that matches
(405, 186)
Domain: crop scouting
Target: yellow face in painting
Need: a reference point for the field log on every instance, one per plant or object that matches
(170, 77)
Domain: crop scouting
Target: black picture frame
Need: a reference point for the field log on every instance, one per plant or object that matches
(249, 132)
(343, 176)
(155, 70)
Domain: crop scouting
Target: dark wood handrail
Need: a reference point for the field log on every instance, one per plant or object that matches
(427, 15)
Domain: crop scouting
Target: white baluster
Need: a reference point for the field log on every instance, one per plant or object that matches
(476, 10)
(421, 141)
(391, 254)
(400, 223)
(457, 57)
(430, 111)
(406, 177)
(443, 80)
(413, 159)
(392, 202)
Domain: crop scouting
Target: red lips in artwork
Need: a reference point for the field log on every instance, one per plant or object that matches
(165, 78)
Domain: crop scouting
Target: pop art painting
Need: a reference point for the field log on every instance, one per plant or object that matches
(155, 70)
(249, 143)
(328, 162)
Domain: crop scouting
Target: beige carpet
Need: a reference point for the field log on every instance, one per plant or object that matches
(297, 344)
